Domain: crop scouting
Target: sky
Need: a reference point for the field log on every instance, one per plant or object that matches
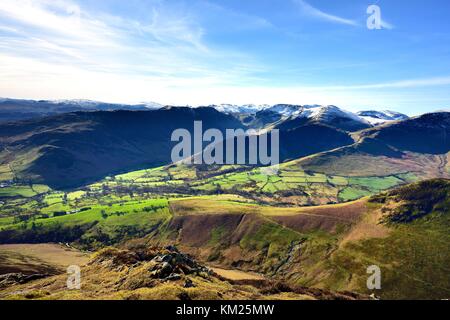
(202, 52)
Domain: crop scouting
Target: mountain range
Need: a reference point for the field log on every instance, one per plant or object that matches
(70, 149)
(352, 189)
(20, 109)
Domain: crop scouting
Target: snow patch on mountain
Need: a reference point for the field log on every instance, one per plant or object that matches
(92, 104)
(246, 108)
(380, 117)
(314, 112)
(151, 105)
(328, 113)
(77, 102)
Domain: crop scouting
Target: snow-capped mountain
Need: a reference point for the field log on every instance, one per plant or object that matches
(328, 114)
(20, 109)
(75, 102)
(258, 116)
(286, 110)
(151, 105)
(380, 117)
(245, 109)
(97, 105)
(316, 112)
(294, 115)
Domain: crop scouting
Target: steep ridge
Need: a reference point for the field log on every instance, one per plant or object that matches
(405, 231)
(150, 272)
(417, 144)
(75, 148)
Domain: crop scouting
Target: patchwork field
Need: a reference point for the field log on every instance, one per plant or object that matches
(135, 203)
(291, 185)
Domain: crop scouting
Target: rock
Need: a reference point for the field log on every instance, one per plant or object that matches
(167, 258)
(162, 271)
(173, 277)
(166, 267)
(189, 284)
(172, 249)
(157, 259)
(152, 266)
(184, 296)
(163, 258)
(10, 279)
(149, 265)
(374, 297)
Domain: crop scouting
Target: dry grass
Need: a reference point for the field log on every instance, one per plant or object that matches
(55, 254)
(368, 227)
(237, 274)
(207, 206)
(99, 282)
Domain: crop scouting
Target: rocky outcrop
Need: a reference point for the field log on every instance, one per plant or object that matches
(147, 267)
(10, 279)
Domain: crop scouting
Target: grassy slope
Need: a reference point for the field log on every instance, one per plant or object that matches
(236, 231)
(412, 253)
(328, 247)
(23, 191)
(100, 224)
(127, 275)
(412, 256)
(350, 161)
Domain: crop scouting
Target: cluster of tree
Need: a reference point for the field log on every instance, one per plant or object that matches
(153, 208)
(39, 233)
(22, 218)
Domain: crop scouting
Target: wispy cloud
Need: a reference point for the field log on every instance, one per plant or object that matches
(319, 14)
(236, 20)
(400, 84)
(387, 25)
(196, 53)
(65, 47)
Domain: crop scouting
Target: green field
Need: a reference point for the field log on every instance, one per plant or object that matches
(23, 191)
(138, 204)
(302, 187)
(127, 194)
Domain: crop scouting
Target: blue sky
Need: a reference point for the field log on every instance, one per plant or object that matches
(229, 51)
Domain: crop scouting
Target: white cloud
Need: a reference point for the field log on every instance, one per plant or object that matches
(314, 12)
(70, 82)
(386, 25)
(231, 19)
(55, 49)
(71, 52)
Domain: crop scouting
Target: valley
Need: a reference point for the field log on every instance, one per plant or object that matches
(301, 245)
(224, 158)
(326, 215)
